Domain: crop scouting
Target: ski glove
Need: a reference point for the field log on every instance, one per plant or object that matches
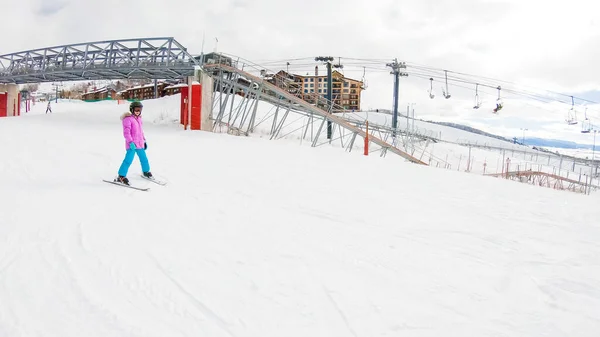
(132, 145)
(145, 146)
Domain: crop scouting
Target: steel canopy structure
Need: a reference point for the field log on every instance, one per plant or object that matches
(147, 58)
(231, 81)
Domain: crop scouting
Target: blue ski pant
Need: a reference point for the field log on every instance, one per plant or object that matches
(129, 159)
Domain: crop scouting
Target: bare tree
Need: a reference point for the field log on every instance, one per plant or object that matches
(120, 85)
(80, 87)
(31, 87)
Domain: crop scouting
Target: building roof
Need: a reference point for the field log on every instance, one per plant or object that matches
(102, 89)
(204, 58)
(178, 85)
(334, 73)
(149, 85)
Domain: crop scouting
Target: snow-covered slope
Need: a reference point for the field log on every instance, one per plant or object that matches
(453, 149)
(267, 238)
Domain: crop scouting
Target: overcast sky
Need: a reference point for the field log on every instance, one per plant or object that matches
(550, 44)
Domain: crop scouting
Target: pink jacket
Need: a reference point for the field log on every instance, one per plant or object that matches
(132, 130)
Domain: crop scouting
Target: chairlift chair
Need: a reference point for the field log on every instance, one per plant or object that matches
(584, 128)
(431, 95)
(477, 101)
(363, 80)
(446, 92)
(572, 114)
(499, 103)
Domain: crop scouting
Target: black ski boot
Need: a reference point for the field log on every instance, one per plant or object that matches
(148, 175)
(122, 180)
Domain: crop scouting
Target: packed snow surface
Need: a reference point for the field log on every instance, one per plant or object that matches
(253, 237)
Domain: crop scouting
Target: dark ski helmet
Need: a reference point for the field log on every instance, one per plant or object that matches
(134, 105)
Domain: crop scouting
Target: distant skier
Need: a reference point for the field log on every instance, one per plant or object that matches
(48, 108)
(135, 142)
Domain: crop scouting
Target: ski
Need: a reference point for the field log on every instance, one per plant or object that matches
(162, 183)
(128, 186)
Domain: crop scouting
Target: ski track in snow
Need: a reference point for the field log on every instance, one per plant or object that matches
(337, 308)
(197, 303)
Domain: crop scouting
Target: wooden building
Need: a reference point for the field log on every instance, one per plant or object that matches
(145, 91)
(214, 58)
(346, 92)
(174, 89)
(103, 93)
(290, 82)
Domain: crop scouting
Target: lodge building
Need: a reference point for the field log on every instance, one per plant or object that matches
(103, 93)
(345, 91)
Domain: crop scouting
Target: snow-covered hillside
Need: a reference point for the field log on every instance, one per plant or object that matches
(449, 148)
(540, 119)
(253, 237)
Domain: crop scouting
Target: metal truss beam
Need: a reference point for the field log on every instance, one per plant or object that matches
(147, 58)
(550, 180)
(231, 81)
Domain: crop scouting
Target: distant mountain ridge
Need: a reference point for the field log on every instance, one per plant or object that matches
(532, 141)
(471, 129)
(562, 144)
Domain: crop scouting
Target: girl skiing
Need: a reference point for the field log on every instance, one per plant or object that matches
(135, 142)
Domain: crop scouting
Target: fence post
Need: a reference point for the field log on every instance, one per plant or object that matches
(503, 160)
(366, 152)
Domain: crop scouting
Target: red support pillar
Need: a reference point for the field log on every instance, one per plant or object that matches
(184, 111)
(3, 104)
(196, 120)
(191, 118)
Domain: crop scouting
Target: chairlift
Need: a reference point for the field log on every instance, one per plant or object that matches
(431, 95)
(584, 128)
(446, 93)
(477, 100)
(363, 80)
(572, 113)
(499, 103)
